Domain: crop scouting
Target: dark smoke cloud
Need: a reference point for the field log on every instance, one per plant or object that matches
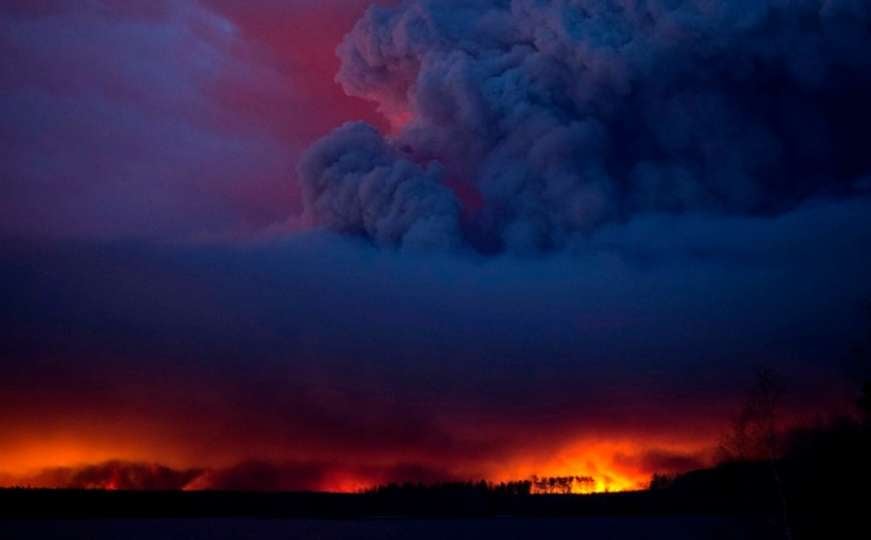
(567, 115)
(320, 349)
(354, 182)
(317, 344)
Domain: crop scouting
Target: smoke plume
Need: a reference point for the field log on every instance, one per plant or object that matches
(562, 116)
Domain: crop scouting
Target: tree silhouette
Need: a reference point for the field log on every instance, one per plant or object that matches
(753, 434)
(563, 485)
(661, 481)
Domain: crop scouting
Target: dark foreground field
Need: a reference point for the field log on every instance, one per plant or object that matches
(457, 513)
(453, 514)
(616, 528)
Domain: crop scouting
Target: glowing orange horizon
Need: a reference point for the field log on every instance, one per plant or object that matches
(603, 461)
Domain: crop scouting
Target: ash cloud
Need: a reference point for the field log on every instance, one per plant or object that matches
(354, 182)
(319, 348)
(569, 115)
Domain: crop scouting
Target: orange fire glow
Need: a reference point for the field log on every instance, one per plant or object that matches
(601, 464)
(609, 463)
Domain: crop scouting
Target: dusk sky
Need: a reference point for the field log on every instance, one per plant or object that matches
(328, 244)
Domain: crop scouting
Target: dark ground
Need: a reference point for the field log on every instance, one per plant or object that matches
(450, 512)
(629, 528)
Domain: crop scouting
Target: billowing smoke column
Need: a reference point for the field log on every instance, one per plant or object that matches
(564, 115)
(356, 183)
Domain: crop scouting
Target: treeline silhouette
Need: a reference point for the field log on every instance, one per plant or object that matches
(563, 484)
(811, 480)
(807, 482)
(481, 487)
(551, 485)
